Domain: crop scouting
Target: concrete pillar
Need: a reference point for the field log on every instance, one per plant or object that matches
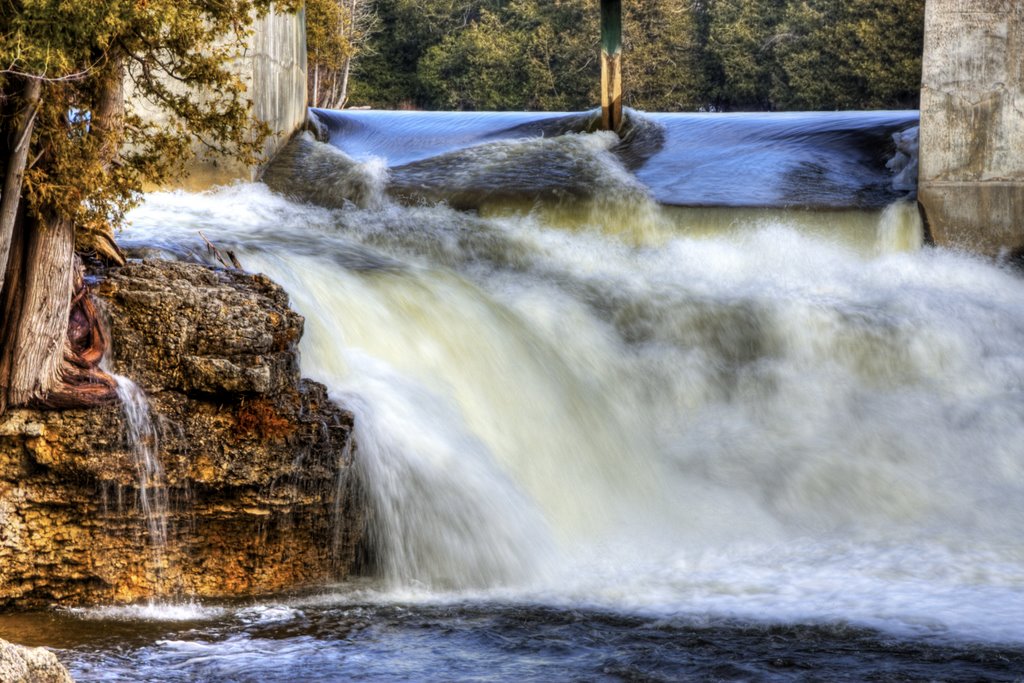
(278, 84)
(971, 180)
(273, 67)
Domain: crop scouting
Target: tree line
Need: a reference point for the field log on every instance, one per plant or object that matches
(680, 55)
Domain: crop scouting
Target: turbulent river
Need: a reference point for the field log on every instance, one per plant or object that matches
(699, 405)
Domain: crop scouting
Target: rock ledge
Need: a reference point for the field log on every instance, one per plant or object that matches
(259, 478)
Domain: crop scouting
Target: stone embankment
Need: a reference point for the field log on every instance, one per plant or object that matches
(258, 491)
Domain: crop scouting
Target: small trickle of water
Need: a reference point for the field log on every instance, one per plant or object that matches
(144, 443)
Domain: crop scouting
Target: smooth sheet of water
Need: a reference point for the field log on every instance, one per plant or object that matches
(606, 439)
(808, 159)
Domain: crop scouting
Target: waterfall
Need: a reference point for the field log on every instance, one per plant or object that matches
(740, 411)
(143, 440)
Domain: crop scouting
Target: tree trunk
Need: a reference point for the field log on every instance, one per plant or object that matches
(108, 114)
(330, 99)
(37, 307)
(316, 84)
(83, 383)
(11, 301)
(343, 97)
(14, 173)
(107, 123)
(349, 34)
(49, 357)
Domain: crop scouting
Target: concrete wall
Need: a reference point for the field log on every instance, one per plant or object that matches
(971, 180)
(273, 67)
(279, 75)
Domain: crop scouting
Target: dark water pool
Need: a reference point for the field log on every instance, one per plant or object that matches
(306, 641)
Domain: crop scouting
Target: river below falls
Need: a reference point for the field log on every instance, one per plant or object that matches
(628, 434)
(350, 634)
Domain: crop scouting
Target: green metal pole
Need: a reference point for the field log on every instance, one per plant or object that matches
(611, 64)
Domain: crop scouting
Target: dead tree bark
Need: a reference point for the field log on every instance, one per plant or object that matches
(82, 382)
(37, 311)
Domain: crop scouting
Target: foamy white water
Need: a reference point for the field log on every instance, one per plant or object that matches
(767, 422)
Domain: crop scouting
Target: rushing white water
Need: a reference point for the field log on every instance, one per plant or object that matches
(734, 418)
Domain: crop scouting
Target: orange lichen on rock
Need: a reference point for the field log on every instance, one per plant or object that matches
(261, 418)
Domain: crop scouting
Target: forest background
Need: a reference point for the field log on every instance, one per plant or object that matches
(679, 55)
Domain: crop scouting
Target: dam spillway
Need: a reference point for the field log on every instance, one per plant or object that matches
(792, 160)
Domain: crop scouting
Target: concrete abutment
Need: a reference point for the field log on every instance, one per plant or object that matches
(971, 181)
(272, 66)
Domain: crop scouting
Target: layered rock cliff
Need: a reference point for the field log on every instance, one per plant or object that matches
(255, 482)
